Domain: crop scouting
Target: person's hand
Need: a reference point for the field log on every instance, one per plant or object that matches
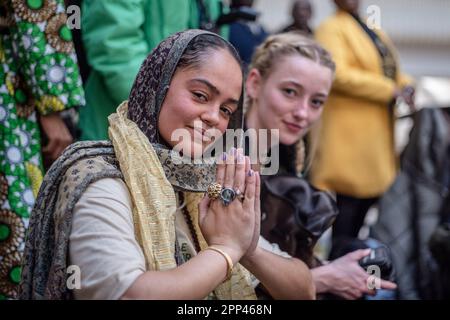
(231, 227)
(408, 94)
(57, 134)
(397, 93)
(346, 278)
(257, 230)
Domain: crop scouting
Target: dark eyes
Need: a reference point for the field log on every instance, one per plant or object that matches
(316, 103)
(292, 93)
(200, 96)
(289, 92)
(226, 111)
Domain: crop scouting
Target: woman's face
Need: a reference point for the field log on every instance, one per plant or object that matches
(199, 99)
(290, 98)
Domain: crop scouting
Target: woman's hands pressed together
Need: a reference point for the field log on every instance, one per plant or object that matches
(233, 228)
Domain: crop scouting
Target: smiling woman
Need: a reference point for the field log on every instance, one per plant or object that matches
(289, 96)
(137, 223)
(287, 85)
(206, 97)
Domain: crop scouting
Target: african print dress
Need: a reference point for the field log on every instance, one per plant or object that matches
(38, 75)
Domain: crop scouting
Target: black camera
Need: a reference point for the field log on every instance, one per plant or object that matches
(379, 257)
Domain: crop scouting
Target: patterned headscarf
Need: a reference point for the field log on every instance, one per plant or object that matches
(146, 99)
(44, 273)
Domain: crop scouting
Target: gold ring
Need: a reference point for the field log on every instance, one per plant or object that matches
(214, 190)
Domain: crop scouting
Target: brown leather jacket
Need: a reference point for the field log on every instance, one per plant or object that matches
(294, 215)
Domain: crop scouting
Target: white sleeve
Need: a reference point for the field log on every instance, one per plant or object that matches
(102, 241)
(272, 247)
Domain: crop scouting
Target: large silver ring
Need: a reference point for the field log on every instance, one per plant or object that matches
(227, 195)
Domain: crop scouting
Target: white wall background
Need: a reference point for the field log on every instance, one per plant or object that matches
(419, 28)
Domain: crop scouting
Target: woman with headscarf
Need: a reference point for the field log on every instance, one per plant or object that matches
(130, 216)
(117, 36)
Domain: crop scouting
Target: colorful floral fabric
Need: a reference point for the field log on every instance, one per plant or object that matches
(38, 75)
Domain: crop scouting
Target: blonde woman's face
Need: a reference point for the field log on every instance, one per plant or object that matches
(200, 100)
(291, 97)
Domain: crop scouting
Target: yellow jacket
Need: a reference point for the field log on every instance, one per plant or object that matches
(356, 154)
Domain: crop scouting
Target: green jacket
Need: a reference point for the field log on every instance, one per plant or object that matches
(118, 35)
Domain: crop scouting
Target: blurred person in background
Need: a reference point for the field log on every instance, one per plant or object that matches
(117, 36)
(301, 16)
(245, 32)
(355, 155)
(39, 78)
(414, 213)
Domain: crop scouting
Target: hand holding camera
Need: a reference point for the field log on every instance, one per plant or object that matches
(379, 257)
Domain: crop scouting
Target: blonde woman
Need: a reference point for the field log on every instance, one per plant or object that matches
(288, 83)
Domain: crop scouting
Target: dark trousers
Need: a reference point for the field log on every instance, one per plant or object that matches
(350, 219)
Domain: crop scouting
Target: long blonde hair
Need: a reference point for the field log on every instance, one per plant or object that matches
(272, 50)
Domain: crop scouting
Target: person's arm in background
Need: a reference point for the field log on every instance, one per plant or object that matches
(350, 80)
(405, 83)
(48, 69)
(115, 42)
(282, 277)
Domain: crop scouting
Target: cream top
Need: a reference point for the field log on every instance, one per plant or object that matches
(102, 241)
